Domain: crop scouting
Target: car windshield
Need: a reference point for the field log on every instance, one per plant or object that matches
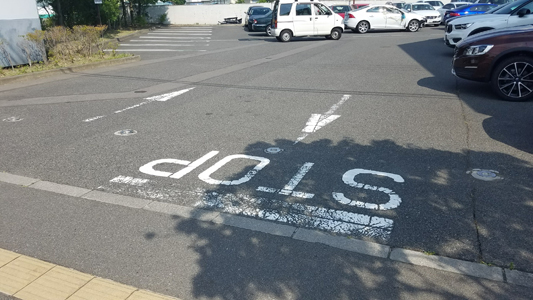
(422, 7)
(509, 8)
(340, 8)
(260, 11)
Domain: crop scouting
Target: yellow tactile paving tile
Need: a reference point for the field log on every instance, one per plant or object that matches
(103, 289)
(20, 272)
(57, 284)
(146, 295)
(7, 256)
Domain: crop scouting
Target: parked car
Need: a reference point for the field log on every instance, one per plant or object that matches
(498, 2)
(359, 5)
(255, 11)
(468, 10)
(375, 17)
(396, 4)
(340, 9)
(432, 16)
(263, 23)
(503, 57)
(305, 18)
(436, 4)
(450, 6)
(512, 14)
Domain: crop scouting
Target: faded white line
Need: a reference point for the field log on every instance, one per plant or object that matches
(93, 119)
(288, 189)
(170, 41)
(130, 180)
(154, 50)
(171, 45)
(175, 37)
(317, 121)
(174, 34)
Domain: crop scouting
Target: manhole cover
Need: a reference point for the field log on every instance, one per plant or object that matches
(486, 175)
(126, 132)
(273, 150)
(12, 119)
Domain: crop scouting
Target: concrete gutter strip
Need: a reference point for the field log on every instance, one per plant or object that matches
(48, 73)
(313, 236)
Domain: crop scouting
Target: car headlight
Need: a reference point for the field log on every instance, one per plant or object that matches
(478, 50)
(463, 26)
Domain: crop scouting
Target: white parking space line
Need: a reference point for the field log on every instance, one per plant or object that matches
(169, 45)
(154, 50)
(162, 33)
(175, 37)
(184, 31)
(171, 41)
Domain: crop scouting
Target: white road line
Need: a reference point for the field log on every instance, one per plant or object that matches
(317, 121)
(331, 220)
(171, 41)
(153, 50)
(184, 31)
(129, 180)
(157, 33)
(288, 189)
(176, 37)
(171, 45)
(160, 98)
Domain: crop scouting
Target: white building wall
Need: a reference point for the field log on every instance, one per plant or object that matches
(17, 18)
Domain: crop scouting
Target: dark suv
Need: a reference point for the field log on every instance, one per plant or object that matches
(503, 57)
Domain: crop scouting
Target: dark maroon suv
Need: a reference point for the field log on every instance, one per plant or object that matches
(503, 57)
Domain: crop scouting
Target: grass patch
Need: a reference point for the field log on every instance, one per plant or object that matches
(52, 65)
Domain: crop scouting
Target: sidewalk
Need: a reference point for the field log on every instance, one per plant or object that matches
(211, 256)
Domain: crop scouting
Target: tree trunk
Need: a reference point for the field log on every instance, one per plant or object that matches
(124, 14)
(60, 13)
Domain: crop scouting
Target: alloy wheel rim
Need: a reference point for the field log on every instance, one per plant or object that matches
(516, 80)
(413, 26)
(363, 27)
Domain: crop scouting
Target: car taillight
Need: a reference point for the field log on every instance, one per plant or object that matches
(350, 16)
(255, 21)
(453, 14)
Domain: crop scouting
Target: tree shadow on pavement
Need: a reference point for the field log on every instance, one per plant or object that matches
(437, 214)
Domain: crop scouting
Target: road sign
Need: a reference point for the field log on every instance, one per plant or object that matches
(97, 1)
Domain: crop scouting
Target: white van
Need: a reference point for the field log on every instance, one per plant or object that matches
(303, 18)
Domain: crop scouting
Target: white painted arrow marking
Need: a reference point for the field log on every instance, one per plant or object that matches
(161, 98)
(168, 96)
(317, 121)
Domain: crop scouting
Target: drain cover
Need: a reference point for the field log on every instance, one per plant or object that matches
(273, 150)
(12, 119)
(486, 175)
(126, 132)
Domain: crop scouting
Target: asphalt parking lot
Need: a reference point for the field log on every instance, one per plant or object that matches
(370, 137)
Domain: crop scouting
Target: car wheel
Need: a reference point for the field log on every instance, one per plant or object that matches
(268, 30)
(512, 79)
(285, 36)
(335, 34)
(413, 26)
(363, 27)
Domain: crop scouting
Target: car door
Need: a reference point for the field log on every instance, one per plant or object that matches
(303, 19)
(515, 20)
(376, 16)
(394, 18)
(324, 20)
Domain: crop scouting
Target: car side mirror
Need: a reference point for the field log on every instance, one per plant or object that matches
(522, 12)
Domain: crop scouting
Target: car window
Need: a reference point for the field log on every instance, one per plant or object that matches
(285, 9)
(321, 9)
(510, 7)
(422, 7)
(374, 9)
(448, 6)
(340, 8)
(260, 11)
(303, 9)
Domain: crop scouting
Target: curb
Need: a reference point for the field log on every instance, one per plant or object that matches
(49, 73)
(27, 278)
(312, 236)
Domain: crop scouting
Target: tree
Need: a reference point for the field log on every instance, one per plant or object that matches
(177, 2)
